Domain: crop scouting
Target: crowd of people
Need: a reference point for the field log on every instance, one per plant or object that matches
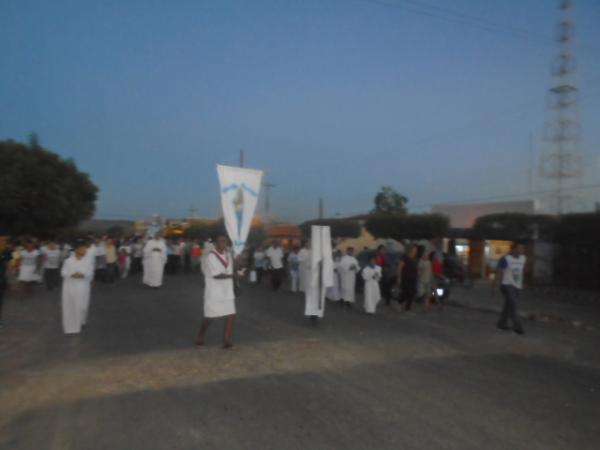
(397, 278)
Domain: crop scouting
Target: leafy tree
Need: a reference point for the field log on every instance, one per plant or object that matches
(39, 191)
(408, 226)
(340, 228)
(389, 201)
(515, 226)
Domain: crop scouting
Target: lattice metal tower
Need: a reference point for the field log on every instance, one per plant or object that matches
(561, 159)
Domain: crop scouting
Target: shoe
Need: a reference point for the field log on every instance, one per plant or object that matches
(502, 327)
(519, 331)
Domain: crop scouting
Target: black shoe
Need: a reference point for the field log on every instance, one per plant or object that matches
(502, 327)
(520, 331)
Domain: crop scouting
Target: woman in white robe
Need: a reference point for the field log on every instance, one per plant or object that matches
(372, 274)
(349, 267)
(77, 275)
(155, 258)
(219, 297)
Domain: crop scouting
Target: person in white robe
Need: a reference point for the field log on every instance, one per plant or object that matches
(90, 257)
(219, 296)
(349, 267)
(320, 273)
(334, 292)
(372, 274)
(77, 275)
(304, 266)
(155, 258)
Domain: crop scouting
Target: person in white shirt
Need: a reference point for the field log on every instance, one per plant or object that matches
(77, 275)
(293, 267)
(275, 257)
(259, 264)
(372, 274)
(219, 296)
(51, 257)
(334, 293)
(349, 267)
(509, 277)
(29, 265)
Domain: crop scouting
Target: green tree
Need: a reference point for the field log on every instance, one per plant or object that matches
(389, 201)
(408, 226)
(39, 191)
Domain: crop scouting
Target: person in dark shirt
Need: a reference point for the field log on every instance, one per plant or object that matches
(408, 271)
(5, 258)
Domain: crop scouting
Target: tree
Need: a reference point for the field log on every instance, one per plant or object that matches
(340, 228)
(408, 226)
(389, 201)
(40, 192)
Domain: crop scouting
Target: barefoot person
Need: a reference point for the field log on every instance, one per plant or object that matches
(219, 298)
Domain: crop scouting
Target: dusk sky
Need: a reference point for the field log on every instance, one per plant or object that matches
(332, 98)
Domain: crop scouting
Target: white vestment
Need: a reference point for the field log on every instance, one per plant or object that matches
(155, 257)
(303, 268)
(371, 275)
(74, 292)
(219, 298)
(334, 292)
(320, 272)
(348, 269)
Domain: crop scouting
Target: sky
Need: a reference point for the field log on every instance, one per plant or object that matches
(331, 98)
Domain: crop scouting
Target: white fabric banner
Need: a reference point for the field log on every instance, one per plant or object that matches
(239, 195)
(321, 270)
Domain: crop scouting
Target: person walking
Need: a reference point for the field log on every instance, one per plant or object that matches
(348, 268)
(424, 277)
(5, 259)
(112, 268)
(219, 297)
(51, 257)
(408, 272)
(275, 257)
(509, 277)
(77, 275)
(259, 264)
(29, 266)
(294, 266)
(372, 274)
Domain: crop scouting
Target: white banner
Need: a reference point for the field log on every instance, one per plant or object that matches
(239, 195)
(321, 270)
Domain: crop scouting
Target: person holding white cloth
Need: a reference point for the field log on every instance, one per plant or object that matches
(219, 296)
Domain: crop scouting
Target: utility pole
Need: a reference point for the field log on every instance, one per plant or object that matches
(241, 157)
(268, 187)
(321, 208)
(561, 159)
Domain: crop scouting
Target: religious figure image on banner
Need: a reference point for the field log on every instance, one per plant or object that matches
(239, 188)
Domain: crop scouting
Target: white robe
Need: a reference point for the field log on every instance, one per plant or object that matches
(155, 257)
(372, 275)
(303, 268)
(74, 292)
(219, 298)
(320, 272)
(348, 269)
(334, 292)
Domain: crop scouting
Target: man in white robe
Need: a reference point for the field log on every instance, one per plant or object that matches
(155, 258)
(219, 296)
(77, 275)
(372, 274)
(349, 267)
(304, 266)
(320, 273)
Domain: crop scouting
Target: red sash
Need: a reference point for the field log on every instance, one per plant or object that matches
(220, 258)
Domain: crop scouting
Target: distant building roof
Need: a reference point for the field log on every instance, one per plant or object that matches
(463, 215)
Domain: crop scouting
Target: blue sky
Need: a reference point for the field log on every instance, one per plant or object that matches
(332, 98)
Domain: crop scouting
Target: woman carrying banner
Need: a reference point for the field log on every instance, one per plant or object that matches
(219, 298)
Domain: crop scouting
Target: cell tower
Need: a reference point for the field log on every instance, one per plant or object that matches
(561, 159)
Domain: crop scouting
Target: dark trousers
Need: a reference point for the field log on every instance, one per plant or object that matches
(136, 265)
(112, 270)
(259, 274)
(51, 278)
(509, 312)
(409, 292)
(385, 286)
(276, 278)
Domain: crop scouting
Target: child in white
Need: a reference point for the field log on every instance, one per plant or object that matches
(77, 275)
(372, 274)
